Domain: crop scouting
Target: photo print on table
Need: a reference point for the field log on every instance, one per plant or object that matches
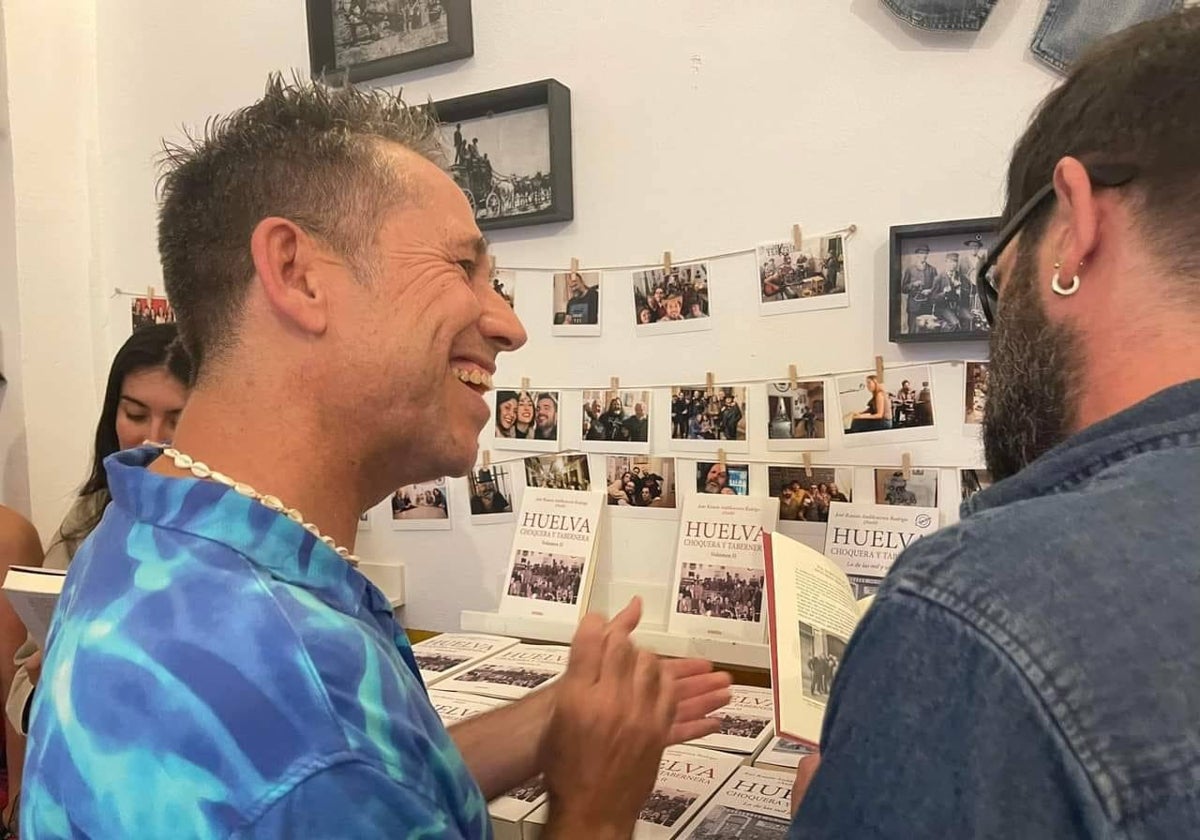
(491, 491)
(796, 416)
(805, 498)
(898, 409)
(421, 507)
(714, 591)
(576, 304)
(504, 283)
(559, 472)
(546, 577)
(722, 479)
(975, 397)
(526, 420)
(703, 421)
(972, 482)
(918, 490)
(146, 312)
(821, 652)
(672, 301)
(616, 421)
(641, 485)
(801, 281)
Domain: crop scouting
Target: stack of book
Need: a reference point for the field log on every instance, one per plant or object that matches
(746, 723)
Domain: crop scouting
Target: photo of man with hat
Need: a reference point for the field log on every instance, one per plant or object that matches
(916, 286)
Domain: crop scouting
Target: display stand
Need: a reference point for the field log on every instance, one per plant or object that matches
(389, 577)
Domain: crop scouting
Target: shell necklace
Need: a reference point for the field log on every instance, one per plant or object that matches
(203, 471)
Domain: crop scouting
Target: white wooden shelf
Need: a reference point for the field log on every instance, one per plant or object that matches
(652, 637)
(389, 577)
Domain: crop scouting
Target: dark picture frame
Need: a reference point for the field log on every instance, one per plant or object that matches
(323, 47)
(945, 305)
(550, 194)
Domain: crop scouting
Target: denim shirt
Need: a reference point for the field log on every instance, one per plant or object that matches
(1034, 670)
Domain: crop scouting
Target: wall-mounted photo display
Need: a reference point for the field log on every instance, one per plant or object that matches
(895, 409)
(796, 416)
(616, 421)
(813, 277)
(526, 420)
(576, 303)
(934, 294)
(421, 507)
(509, 151)
(367, 39)
(705, 420)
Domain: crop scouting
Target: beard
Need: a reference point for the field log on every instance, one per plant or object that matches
(1031, 402)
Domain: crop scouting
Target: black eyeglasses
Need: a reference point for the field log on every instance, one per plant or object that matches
(1101, 175)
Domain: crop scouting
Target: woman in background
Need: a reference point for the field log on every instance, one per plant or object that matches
(148, 386)
(878, 415)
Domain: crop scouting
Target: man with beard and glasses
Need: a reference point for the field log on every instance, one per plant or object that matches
(1041, 658)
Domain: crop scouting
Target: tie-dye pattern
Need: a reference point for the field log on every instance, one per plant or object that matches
(215, 671)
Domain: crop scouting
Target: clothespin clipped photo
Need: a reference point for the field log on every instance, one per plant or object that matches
(524, 383)
(614, 387)
(721, 458)
(487, 459)
(808, 464)
(710, 384)
(574, 265)
(492, 265)
(792, 383)
(879, 368)
(666, 262)
(797, 239)
(906, 466)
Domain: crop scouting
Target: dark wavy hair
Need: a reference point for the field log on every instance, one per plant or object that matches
(152, 346)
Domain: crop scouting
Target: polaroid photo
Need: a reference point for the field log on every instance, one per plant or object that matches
(812, 278)
(804, 499)
(421, 507)
(703, 421)
(896, 410)
(726, 479)
(974, 396)
(491, 492)
(672, 301)
(971, 482)
(147, 311)
(641, 486)
(576, 304)
(526, 420)
(504, 283)
(558, 472)
(918, 490)
(616, 421)
(796, 416)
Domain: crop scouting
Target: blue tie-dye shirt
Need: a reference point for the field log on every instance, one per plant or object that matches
(215, 671)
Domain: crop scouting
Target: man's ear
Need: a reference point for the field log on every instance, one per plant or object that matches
(289, 267)
(1078, 213)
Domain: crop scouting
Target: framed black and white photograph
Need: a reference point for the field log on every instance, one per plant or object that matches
(509, 151)
(934, 273)
(357, 40)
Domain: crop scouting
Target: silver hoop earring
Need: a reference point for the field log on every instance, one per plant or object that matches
(1069, 290)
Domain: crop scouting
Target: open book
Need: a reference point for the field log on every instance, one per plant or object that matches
(33, 592)
(811, 613)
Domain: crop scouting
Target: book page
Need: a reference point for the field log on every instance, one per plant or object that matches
(812, 613)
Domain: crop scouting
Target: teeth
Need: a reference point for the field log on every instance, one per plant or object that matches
(473, 377)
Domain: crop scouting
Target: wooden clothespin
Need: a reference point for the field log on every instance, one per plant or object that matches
(150, 294)
(710, 384)
(797, 239)
(792, 383)
(614, 385)
(492, 264)
(574, 265)
(879, 368)
(906, 466)
(666, 262)
(852, 229)
(721, 458)
(487, 459)
(808, 464)
(524, 383)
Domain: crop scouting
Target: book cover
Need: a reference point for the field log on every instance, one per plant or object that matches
(687, 778)
(718, 582)
(552, 563)
(454, 706)
(33, 593)
(755, 804)
(867, 539)
(746, 723)
(512, 673)
(508, 812)
(448, 654)
(782, 754)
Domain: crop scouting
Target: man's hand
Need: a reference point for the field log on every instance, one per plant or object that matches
(699, 691)
(804, 776)
(613, 715)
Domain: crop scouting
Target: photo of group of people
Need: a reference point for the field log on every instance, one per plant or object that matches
(673, 300)
(740, 727)
(720, 592)
(527, 420)
(938, 284)
(531, 791)
(902, 402)
(728, 479)
(365, 30)
(491, 492)
(504, 283)
(804, 497)
(701, 415)
(437, 662)
(976, 394)
(546, 577)
(147, 311)
(559, 472)
(616, 421)
(974, 481)
(422, 505)
(577, 303)
(521, 677)
(641, 482)
(795, 415)
(821, 653)
(791, 280)
(918, 489)
(665, 806)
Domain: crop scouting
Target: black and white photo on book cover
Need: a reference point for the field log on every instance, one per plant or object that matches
(577, 309)
(421, 507)
(563, 471)
(513, 673)
(526, 420)
(755, 804)
(718, 580)
(491, 492)
(896, 409)
(551, 564)
(641, 485)
(717, 479)
(673, 300)
(448, 653)
(811, 278)
(454, 706)
(616, 421)
(745, 722)
(918, 488)
(687, 778)
(796, 416)
(705, 420)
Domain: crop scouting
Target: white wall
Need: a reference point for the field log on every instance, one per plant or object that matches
(698, 128)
